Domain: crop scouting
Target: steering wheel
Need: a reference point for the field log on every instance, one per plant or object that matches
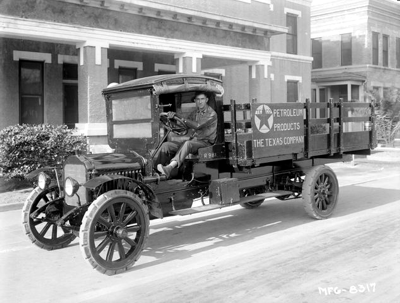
(175, 124)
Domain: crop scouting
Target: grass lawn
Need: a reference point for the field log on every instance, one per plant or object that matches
(13, 184)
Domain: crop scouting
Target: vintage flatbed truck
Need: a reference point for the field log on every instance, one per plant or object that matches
(263, 150)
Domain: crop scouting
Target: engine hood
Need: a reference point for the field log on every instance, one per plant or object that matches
(109, 162)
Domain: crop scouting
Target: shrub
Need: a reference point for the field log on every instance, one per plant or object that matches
(24, 148)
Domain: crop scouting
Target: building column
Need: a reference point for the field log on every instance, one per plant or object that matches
(348, 93)
(93, 78)
(259, 83)
(361, 93)
(188, 63)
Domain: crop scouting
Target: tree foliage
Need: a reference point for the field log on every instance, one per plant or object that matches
(387, 114)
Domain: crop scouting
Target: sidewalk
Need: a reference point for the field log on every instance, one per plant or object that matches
(381, 155)
(384, 156)
(15, 199)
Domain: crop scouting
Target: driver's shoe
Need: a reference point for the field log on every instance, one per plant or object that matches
(165, 170)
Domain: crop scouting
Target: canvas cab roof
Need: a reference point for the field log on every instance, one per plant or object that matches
(165, 84)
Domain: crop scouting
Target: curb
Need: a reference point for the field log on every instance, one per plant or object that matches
(12, 206)
(377, 162)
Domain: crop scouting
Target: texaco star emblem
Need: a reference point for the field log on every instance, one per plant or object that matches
(263, 118)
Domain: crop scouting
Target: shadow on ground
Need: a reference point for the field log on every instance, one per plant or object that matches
(181, 239)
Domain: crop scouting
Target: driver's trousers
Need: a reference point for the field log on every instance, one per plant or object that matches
(177, 151)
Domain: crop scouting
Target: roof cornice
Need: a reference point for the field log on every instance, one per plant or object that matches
(175, 13)
(39, 30)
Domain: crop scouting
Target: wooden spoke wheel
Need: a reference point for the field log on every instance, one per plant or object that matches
(42, 229)
(320, 192)
(114, 231)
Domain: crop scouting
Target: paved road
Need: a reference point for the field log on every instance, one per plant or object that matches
(272, 254)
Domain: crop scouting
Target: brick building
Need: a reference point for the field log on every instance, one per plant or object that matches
(356, 48)
(56, 56)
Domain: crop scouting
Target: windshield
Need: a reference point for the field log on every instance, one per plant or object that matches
(136, 108)
(131, 115)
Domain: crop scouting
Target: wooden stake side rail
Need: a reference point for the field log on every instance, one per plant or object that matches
(337, 140)
(344, 131)
(234, 159)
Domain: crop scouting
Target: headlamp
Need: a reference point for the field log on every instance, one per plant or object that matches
(43, 180)
(71, 186)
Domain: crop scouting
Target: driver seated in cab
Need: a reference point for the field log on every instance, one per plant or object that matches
(203, 122)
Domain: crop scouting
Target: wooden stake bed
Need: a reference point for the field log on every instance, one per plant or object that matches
(271, 132)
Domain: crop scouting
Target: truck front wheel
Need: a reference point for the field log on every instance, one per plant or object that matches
(320, 192)
(114, 231)
(42, 228)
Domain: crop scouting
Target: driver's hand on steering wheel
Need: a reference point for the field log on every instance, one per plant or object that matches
(171, 115)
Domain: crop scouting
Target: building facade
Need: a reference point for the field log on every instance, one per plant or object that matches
(57, 56)
(356, 49)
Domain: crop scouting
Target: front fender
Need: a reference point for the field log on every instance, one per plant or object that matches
(129, 184)
(53, 172)
(36, 172)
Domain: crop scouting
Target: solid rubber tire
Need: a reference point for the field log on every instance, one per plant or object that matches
(35, 196)
(87, 229)
(309, 191)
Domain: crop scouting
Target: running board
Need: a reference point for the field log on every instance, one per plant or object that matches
(199, 209)
(195, 210)
(272, 194)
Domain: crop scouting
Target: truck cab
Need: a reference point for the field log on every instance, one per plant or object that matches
(134, 107)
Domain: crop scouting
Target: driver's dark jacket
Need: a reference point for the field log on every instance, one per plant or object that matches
(206, 129)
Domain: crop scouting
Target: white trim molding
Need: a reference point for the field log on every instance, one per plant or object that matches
(67, 59)
(290, 57)
(193, 55)
(164, 67)
(292, 11)
(264, 1)
(129, 64)
(264, 63)
(301, 2)
(220, 71)
(293, 78)
(97, 44)
(34, 56)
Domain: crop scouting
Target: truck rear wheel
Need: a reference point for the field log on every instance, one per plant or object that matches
(320, 192)
(114, 231)
(43, 230)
